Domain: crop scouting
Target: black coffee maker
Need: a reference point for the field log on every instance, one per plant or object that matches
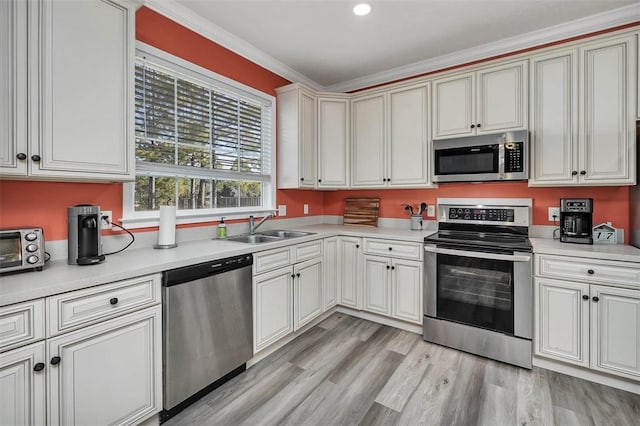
(576, 220)
(85, 237)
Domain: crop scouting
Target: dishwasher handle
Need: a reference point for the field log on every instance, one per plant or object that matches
(202, 270)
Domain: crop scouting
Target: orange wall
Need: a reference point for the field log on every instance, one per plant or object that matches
(45, 203)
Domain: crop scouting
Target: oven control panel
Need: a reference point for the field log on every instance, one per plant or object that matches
(484, 214)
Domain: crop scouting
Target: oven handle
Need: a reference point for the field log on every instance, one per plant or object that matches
(480, 255)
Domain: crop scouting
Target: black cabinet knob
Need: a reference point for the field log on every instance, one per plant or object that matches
(298, 275)
(388, 266)
(390, 248)
(573, 173)
(478, 125)
(393, 267)
(583, 172)
(39, 366)
(473, 125)
(21, 156)
(585, 297)
(55, 360)
(35, 157)
(595, 298)
(293, 275)
(357, 245)
(113, 300)
(591, 272)
(319, 180)
(301, 179)
(384, 179)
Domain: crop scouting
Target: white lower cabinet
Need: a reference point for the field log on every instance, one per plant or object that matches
(350, 271)
(22, 388)
(273, 306)
(110, 373)
(377, 292)
(592, 326)
(307, 292)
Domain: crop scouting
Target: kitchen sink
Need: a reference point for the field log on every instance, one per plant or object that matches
(280, 233)
(254, 239)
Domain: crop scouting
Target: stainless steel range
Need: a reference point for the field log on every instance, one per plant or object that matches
(478, 288)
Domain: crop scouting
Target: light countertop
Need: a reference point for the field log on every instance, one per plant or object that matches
(59, 277)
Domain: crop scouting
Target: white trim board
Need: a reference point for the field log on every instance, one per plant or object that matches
(527, 202)
(184, 16)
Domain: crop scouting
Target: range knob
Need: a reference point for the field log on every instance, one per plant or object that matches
(467, 217)
(467, 211)
(31, 237)
(31, 248)
(460, 211)
(32, 259)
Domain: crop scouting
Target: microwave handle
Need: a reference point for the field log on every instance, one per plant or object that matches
(501, 161)
(479, 255)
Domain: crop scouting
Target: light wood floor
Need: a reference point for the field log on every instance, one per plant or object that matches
(349, 371)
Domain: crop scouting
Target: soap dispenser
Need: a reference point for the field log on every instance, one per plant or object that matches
(221, 231)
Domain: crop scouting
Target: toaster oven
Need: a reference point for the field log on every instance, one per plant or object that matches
(21, 249)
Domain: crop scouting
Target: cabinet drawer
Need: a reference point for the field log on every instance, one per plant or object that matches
(21, 324)
(70, 311)
(588, 270)
(392, 248)
(271, 259)
(307, 250)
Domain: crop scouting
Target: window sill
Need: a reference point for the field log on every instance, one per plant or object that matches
(152, 219)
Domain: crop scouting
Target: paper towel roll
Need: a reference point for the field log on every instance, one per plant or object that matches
(167, 231)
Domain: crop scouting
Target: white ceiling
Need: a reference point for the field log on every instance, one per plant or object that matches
(324, 44)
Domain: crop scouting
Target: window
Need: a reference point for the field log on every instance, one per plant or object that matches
(202, 142)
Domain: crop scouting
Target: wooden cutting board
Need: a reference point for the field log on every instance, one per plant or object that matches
(361, 211)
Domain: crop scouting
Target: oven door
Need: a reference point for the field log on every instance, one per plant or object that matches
(487, 289)
(10, 251)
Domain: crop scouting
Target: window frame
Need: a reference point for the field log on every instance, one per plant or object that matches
(133, 219)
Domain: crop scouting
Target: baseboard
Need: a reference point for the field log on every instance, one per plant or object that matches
(628, 385)
(380, 319)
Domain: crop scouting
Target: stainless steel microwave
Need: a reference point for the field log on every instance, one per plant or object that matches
(495, 157)
(21, 249)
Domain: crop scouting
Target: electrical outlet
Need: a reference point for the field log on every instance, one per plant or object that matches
(431, 211)
(306, 209)
(554, 214)
(106, 224)
(282, 210)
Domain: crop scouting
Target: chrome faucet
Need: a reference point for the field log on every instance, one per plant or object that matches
(253, 226)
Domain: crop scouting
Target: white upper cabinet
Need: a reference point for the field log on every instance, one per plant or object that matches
(296, 137)
(80, 112)
(13, 88)
(409, 145)
(583, 115)
(333, 141)
(607, 129)
(489, 100)
(368, 141)
(390, 143)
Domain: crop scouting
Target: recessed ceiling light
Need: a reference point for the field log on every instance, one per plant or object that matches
(362, 9)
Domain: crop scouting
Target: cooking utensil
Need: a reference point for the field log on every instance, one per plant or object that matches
(423, 207)
(408, 208)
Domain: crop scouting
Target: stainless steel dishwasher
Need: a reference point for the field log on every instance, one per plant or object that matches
(207, 328)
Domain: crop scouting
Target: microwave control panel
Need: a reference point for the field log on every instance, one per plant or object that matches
(491, 215)
(513, 157)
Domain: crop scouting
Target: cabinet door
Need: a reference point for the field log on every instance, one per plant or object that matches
(562, 321)
(307, 139)
(273, 306)
(333, 143)
(377, 291)
(607, 134)
(554, 123)
(615, 331)
(120, 358)
(406, 290)
(368, 141)
(502, 98)
(330, 272)
(13, 87)
(408, 141)
(307, 291)
(453, 106)
(349, 267)
(22, 389)
(82, 115)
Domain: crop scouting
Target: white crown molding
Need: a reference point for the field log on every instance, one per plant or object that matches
(206, 28)
(194, 22)
(589, 24)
